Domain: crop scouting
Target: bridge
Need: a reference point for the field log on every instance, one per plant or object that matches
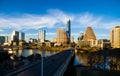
(54, 65)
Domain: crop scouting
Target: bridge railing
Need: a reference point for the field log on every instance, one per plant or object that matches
(63, 67)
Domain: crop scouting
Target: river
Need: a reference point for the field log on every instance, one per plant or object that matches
(98, 61)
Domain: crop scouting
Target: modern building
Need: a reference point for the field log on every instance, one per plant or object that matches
(6, 39)
(115, 37)
(102, 43)
(15, 36)
(68, 30)
(54, 40)
(3, 39)
(82, 44)
(62, 36)
(89, 35)
(41, 35)
(81, 35)
(33, 41)
(22, 36)
(72, 39)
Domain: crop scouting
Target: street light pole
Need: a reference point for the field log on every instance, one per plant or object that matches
(42, 64)
(43, 52)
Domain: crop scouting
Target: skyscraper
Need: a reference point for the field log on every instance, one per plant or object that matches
(61, 36)
(22, 36)
(68, 30)
(115, 37)
(41, 35)
(15, 36)
(3, 39)
(72, 39)
(89, 35)
(81, 35)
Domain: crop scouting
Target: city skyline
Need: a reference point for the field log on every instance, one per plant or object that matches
(30, 16)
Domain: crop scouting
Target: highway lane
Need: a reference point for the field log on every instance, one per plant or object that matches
(54, 65)
(51, 65)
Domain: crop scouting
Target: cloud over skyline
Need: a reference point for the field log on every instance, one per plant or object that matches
(53, 18)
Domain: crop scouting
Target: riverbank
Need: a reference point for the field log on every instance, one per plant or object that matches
(89, 71)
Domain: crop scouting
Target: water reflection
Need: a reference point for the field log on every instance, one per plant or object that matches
(98, 61)
(82, 59)
(28, 52)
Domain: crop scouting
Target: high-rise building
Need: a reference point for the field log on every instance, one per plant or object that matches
(72, 39)
(33, 41)
(3, 39)
(6, 39)
(68, 30)
(89, 35)
(15, 36)
(41, 35)
(62, 36)
(115, 37)
(22, 36)
(81, 35)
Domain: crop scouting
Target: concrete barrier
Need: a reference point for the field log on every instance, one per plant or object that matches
(63, 67)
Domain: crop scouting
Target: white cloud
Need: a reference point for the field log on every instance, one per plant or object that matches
(52, 19)
(51, 33)
(31, 34)
(1, 30)
(36, 34)
(88, 20)
(31, 21)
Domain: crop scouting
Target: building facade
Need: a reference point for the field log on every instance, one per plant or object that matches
(81, 35)
(41, 35)
(115, 37)
(62, 36)
(102, 43)
(3, 39)
(89, 35)
(22, 36)
(68, 30)
(15, 36)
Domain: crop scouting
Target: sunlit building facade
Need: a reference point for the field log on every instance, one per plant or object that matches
(89, 35)
(61, 36)
(15, 36)
(41, 35)
(81, 35)
(115, 37)
(22, 36)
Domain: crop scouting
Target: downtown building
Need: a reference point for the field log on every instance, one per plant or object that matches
(68, 31)
(3, 39)
(80, 37)
(41, 35)
(115, 37)
(17, 38)
(89, 35)
(62, 36)
(21, 36)
(89, 40)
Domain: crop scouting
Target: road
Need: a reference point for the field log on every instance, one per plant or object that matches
(51, 65)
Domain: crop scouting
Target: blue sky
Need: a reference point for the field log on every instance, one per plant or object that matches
(31, 15)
